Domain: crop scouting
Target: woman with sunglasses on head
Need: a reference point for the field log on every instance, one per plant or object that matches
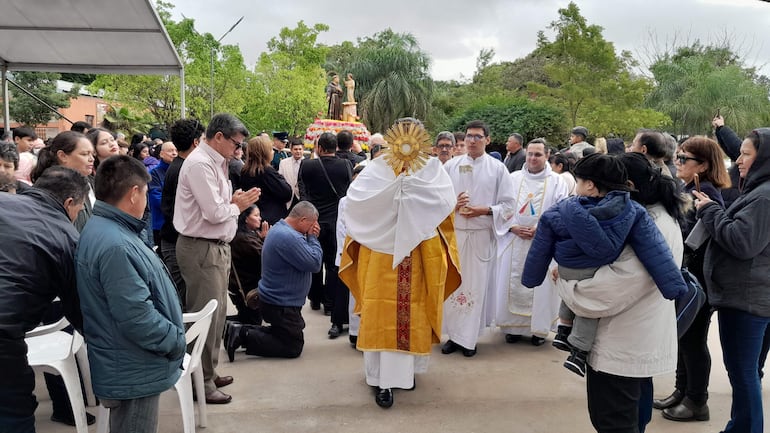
(699, 165)
(737, 276)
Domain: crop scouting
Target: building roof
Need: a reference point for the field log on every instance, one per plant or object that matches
(86, 36)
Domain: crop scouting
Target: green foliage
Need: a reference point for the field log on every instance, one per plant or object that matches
(160, 95)
(594, 85)
(695, 81)
(508, 115)
(391, 73)
(287, 91)
(26, 110)
(124, 120)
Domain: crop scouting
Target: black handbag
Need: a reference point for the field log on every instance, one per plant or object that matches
(688, 305)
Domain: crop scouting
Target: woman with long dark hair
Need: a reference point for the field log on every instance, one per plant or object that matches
(737, 276)
(72, 150)
(104, 144)
(258, 172)
(636, 338)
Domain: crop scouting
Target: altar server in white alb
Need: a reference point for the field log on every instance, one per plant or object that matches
(485, 200)
(520, 311)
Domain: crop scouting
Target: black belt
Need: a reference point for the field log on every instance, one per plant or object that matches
(213, 241)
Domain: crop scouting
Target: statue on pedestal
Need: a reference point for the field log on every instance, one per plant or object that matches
(334, 99)
(350, 85)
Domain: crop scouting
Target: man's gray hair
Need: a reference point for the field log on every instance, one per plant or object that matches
(227, 124)
(304, 209)
(516, 136)
(445, 134)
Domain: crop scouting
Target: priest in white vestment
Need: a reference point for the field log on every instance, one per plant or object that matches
(518, 310)
(400, 258)
(485, 204)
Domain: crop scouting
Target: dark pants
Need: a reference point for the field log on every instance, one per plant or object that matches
(168, 252)
(693, 366)
(17, 382)
(340, 301)
(615, 402)
(742, 335)
(282, 339)
(320, 290)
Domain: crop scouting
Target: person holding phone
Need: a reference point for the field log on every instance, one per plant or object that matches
(737, 275)
(699, 165)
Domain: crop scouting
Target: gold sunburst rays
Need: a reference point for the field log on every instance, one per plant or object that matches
(408, 148)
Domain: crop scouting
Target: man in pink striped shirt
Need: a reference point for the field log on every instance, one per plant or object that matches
(205, 215)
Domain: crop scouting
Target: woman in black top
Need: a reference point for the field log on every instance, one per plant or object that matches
(257, 172)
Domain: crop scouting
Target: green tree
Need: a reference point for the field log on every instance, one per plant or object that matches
(25, 109)
(392, 79)
(288, 88)
(160, 95)
(586, 76)
(507, 115)
(696, 81)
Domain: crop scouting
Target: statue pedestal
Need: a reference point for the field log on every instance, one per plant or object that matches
(349, 112)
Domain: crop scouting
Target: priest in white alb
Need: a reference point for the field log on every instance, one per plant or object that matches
(520, 311)
(484, 204)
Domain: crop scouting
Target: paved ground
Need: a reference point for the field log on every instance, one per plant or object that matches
(505, 388)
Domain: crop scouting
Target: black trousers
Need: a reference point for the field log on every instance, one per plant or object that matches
(282, 339)
(322, 291)
(17, 382)
(693, 366)
(614, 401)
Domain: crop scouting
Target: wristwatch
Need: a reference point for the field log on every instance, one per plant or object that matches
(489, 211)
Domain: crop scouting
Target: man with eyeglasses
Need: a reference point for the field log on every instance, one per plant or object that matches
(444, 145)
(206, 216)
(485, 200)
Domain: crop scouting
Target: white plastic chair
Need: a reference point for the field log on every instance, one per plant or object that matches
(52, 350)
(192, 369)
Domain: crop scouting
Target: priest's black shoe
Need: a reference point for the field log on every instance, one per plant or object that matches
(233, 341)
(537, 341)
(469, 352)
(687, 410)
(512, 338)
(449, 347)
(672, 400)
(335, 331)
(384, 398)
(353, 340)
(315, 306)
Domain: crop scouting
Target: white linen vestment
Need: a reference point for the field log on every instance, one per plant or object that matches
(520, 310)
(487, 182)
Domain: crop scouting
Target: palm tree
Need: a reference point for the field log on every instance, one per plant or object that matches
(392, 79)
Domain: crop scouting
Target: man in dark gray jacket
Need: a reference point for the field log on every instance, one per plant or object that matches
(36, 266)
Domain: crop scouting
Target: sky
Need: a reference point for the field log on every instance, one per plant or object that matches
(453, 32)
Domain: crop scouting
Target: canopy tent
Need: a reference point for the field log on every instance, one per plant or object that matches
(85, 36)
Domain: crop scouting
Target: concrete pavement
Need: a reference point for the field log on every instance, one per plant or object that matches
(505, 388)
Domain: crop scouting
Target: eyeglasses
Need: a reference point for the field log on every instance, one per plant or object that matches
(236, 143)
(473, 137)
(682, 158)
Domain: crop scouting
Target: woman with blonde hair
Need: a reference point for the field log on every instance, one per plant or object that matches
(601, 145)
(258, 172)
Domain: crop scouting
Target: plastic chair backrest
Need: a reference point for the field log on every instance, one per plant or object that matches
(48, 329)
(201, 321)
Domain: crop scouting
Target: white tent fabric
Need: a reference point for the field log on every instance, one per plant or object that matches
(85, 36)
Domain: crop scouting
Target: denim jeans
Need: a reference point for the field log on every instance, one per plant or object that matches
(742, 335)
(139, 415)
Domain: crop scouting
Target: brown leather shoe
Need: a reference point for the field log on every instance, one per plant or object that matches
(218, 397)
(223, 381)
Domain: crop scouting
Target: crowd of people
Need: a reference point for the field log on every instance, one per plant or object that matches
(587, 242)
